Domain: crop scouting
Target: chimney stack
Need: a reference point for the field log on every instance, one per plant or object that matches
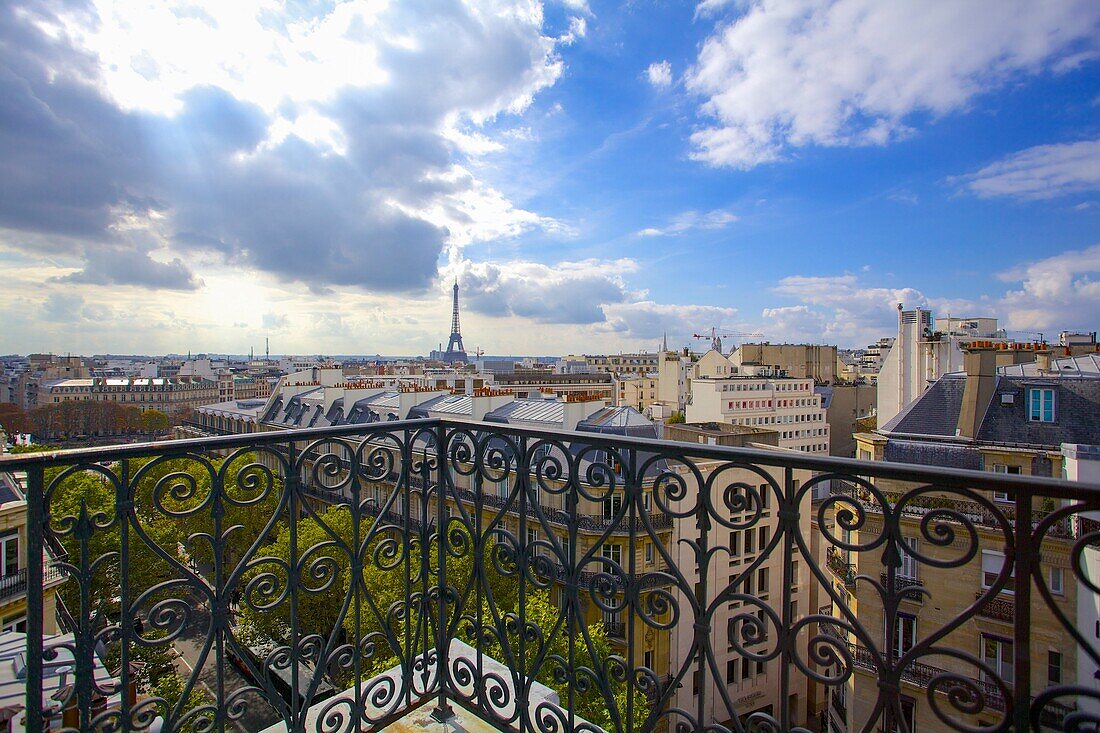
(1042, 361)
(980, 362)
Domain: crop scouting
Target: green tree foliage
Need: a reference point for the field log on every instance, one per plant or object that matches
(154, 421)
(391, 566)
(676, 418)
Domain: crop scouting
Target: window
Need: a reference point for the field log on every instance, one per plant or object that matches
(696, 678)
(649, 552)
(764, 531)
(749, 536)
(992, 562)
(908, 714)
(905, 634)
(762, 581)
(611, 506)
(14, 623)
(765, 496)
(9, 554)
(731, 671)
(908, 561)
(1040, 402)
(734, 542)
(997, 653)
(1057, 581)
(532, 534)
(648, 659)
(1054, 668)
(1002, 468)
(612, 552)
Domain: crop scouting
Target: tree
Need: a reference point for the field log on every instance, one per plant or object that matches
(154, 421)
(13, 419)
(675, 418)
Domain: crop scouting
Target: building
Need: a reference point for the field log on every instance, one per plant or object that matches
(43, 368)
(171, 395)
(1016, 419)
(845, 405)
(810, 361)
(639, 392)
(1082, 463)
(674, 372)
(923, 352)
(757, 397)
(14, 560)
(528, 385)
(617, 364)
(754, 576)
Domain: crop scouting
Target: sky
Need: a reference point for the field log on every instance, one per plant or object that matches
(199, 175)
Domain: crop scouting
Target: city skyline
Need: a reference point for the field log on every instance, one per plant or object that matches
(594, 175)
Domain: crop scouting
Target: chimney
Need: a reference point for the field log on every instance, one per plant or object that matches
(1042, 361)
(980, 362)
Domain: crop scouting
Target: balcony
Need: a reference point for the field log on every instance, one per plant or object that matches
(419, 583)
(842, 569)
(1000, 608)
(908, 587)
(14, 584)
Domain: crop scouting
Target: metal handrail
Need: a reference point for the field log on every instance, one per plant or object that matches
(688, 594)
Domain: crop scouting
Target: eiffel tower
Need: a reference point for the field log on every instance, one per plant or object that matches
(455, 350)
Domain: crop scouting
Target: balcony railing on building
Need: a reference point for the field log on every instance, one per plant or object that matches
(341, 578)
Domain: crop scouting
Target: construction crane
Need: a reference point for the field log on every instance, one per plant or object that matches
(716, 336)
(1032, 333)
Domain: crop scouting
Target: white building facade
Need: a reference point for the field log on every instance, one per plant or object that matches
(788, 406)
(923, 352)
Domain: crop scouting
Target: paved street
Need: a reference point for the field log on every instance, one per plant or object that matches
(258, 714)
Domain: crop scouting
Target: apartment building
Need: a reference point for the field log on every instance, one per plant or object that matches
(746, 582)
(923, 351)
(845, 405)
(1016, 419)
(14, 561)
(809, 361)
(642, 363)
(756, 397)
(171, 395)
(639, 392)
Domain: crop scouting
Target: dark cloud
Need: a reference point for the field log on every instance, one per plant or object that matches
(111, 266)
(570, 292)
(77, 168)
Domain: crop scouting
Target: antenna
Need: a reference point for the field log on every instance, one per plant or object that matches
(267, 349)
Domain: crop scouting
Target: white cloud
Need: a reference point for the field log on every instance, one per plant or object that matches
(787, 74)
(794, 323)
(578, 28)
(477, 212)
(565, 292)
(1055, 293)
(1041, 172)
(842, 309)
(688, 220)
(659, 74)
(648, 320)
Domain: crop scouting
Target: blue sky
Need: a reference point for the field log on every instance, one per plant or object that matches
(195, 175)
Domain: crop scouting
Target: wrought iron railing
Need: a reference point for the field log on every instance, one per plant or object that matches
(907, 586)
(440, 592)
(1000, 608)
(842, 569)
(15, 584)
